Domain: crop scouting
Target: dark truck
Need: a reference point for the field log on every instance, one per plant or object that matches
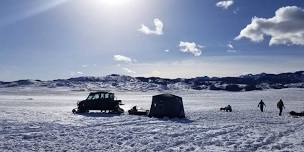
(100, 100)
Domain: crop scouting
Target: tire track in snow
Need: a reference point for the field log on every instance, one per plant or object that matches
(273, 141)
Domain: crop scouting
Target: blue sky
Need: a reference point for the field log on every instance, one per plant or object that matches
(187, 38)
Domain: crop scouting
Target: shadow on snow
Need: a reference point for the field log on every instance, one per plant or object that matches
(98, 114)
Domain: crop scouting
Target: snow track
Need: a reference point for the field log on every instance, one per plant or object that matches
(47, 124)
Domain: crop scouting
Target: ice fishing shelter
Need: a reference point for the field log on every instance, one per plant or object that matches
(167, 105)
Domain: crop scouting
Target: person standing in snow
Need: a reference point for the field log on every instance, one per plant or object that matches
(261, 105)
(280, 105)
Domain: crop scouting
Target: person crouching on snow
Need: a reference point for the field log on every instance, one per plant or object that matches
(261, 105)
(228, 108)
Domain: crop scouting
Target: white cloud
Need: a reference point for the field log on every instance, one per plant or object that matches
(167, 51)
(230, 46)
(121, 58)
(84, 66)
(286, 27)
(236, 11)
(158, 28)
(190, 47)
(225, 4)
(129, 70)
(232, 51)
(79, 73)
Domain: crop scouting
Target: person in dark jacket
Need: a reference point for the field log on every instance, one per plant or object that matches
(228, 108)
(261, 105)
(280, 105)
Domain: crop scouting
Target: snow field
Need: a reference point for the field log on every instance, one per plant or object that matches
(33, 121)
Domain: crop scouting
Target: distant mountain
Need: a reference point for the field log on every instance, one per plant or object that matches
(122, 82)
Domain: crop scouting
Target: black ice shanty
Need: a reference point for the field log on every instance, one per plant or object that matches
(167, 105)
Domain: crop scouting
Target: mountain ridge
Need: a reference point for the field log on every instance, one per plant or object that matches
(247, 82)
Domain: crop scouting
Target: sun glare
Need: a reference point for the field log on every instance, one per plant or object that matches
(114, 2)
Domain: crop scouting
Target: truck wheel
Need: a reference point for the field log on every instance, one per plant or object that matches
(119, 110)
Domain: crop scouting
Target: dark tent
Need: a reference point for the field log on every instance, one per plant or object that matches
(168, 105)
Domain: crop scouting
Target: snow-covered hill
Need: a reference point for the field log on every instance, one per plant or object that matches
(127, 83)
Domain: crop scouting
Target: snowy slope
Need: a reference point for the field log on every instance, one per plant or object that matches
(41, 120)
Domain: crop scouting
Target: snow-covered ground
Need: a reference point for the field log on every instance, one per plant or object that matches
(41, 120)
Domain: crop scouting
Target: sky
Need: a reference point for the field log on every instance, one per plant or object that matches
(165, 38)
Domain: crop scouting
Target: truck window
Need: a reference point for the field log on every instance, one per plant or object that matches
(96, 96)
(111, 96)
(106, 96)
(102, 95)
(90, 97)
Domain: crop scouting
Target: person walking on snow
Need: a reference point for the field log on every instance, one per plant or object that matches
(280, 105)
(261, 105)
